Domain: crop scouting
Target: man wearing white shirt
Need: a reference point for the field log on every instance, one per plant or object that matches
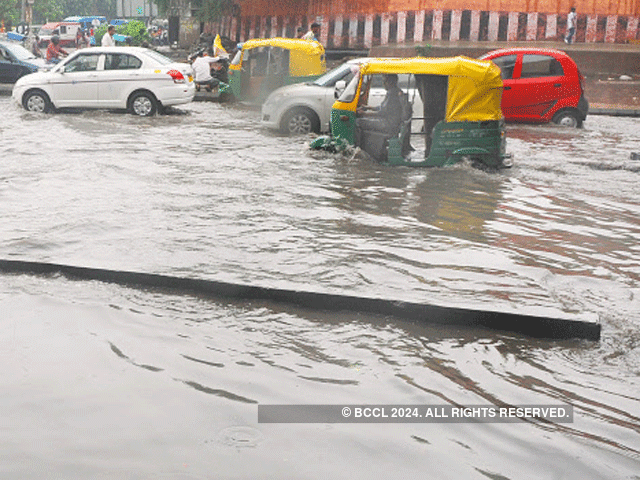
(202, 71)
(571, 25)
(107, 39)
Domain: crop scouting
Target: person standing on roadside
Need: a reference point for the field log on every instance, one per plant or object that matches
(313, 33)
(35, 49)
(300, 32)
(571, 26)
(107, 39)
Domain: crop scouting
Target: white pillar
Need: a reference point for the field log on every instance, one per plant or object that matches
(592, 29)
(610, 33)
(512, 27)
(532, 26)
(456, 20)
(552, 26)
(494, 22)
(436, 32)
(368, 31)
(384, 29)
(401, 30)
(418, 28)
(474, 31)
(337, 31)
(353, 30)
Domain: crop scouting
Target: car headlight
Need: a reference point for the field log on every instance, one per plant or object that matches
(274, 99)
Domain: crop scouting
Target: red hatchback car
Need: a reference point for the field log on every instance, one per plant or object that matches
(540, 85)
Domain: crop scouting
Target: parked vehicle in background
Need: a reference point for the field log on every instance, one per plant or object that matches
(306, 107)
(67, 32)
(16, 61)
(264, 64)
(88, 22)
(140, 80)
(540, 85)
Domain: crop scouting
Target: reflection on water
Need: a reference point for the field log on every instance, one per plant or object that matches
(102, 381)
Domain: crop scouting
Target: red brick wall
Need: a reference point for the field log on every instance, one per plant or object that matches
(342, 7)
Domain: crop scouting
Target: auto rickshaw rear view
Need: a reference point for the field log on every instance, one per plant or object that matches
(262, 65)
(460, 100)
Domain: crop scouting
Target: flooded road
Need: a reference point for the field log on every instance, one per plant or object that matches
(103, 381)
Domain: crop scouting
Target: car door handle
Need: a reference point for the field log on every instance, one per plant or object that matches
(557, 85)
(506, 88)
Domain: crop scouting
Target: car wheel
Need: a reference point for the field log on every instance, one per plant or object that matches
(567, 118)
(36, 101)
(144, 104)
(300, 121)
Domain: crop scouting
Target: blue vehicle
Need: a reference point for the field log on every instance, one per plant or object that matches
(87, 22)
(118, 21)
(16, 61)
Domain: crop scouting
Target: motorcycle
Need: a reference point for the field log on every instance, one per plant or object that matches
(219, 72)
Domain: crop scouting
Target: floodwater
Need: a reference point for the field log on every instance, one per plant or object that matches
(107, 382)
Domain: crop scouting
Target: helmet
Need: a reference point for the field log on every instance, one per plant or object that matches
(55, 39)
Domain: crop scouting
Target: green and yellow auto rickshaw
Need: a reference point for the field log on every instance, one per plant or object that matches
(457, 98)
(264, 64)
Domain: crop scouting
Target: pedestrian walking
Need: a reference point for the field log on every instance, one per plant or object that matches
(107, 39)
(571, 26)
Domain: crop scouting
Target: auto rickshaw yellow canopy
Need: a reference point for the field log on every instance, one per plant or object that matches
(305, 57)
(474, 89)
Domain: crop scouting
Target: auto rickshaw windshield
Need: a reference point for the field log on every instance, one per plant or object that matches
(349, 92)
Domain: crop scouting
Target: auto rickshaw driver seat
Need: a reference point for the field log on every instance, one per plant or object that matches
(391, 146)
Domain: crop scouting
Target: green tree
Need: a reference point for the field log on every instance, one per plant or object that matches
(163, 7)
(135, 29)
(208, 10)
(9, 11)
(48, 10)
(212, 10)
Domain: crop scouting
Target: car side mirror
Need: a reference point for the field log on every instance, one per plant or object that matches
(340, 86)
(61, 69)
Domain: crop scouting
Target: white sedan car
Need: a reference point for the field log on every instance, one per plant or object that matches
(140, 80)
(306, 107)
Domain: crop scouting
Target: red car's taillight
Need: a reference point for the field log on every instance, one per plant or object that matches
(177, 76)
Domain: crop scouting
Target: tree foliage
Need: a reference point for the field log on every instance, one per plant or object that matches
(135, 29)
(212, 10)
(9, 11)
(44, 10)
(56, 10)
(207, 10)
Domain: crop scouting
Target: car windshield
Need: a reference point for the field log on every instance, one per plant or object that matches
(158, 57)
(19, 52)
(330, 78)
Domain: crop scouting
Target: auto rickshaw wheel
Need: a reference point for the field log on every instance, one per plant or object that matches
(568, 118)
(37, 101)
(300, 121)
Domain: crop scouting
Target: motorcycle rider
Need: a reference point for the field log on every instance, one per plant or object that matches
(55, 52)
(202, 66)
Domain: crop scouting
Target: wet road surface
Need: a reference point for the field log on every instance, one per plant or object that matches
(104, 381)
